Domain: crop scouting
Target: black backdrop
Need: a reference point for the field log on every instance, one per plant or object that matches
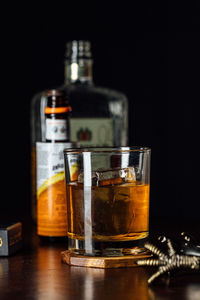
(149, 51)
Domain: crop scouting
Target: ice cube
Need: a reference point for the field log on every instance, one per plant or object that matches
(94, 178)
(130, 175)
(111, 177)
(116, 176)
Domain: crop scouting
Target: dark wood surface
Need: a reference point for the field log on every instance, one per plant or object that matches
(36, 272)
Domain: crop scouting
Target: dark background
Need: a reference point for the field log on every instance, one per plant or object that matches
(150, 51)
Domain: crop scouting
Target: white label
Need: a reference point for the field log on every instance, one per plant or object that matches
(49, 160)
(92, 131)
(56, 130)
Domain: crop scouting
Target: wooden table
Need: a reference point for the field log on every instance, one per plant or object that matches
(36, 272)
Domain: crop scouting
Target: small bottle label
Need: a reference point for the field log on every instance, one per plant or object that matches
(51, 194)
(56, 130)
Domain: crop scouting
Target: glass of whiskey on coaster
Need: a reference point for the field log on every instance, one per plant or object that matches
(107, 200)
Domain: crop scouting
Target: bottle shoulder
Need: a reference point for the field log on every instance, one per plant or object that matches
(95, 92)
(96, 101)
(112, 94)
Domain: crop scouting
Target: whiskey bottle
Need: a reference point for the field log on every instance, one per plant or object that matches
(51, 137)
(100, 115)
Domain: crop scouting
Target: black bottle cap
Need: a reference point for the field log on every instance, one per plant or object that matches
(57, 98)
(55, 93)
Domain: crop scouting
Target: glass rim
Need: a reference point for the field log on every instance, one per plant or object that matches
(106, 150)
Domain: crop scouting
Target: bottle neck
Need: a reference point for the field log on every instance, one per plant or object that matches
(79, 71)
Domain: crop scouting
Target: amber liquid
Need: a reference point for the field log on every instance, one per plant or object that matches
(118, 212)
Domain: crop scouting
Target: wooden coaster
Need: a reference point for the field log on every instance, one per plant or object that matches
(101, 262)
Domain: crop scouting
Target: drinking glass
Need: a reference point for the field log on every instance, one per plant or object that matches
(107, 193)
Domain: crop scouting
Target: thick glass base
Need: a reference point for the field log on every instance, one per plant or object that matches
(108, 249)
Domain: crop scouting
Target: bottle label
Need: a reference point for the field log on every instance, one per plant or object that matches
(51, 195)
(56, 129)
(92, 131)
